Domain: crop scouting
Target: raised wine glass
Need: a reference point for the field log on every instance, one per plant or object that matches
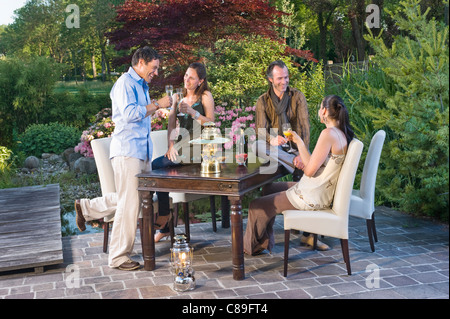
(287, 131)
(180, 97)
(169, 92)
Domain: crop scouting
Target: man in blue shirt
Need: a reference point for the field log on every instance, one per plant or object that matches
(130, 153)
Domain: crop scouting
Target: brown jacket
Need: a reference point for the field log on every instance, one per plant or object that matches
(297, 113)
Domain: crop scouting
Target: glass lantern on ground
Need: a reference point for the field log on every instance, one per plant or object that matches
(181, 257)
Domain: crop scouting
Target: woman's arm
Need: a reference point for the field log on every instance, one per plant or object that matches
(319, 155)
(208, 106)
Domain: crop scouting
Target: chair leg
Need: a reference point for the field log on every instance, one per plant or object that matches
(105, 236)
(370, 233)
(374, 230)
(286, 250)
(212, 202)
(345, 253)
(172, 228)
(315, 242)
(176, 212)
(141, 227)
(186, 221)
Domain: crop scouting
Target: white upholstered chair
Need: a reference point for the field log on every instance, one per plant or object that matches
(330, 222)
(100, 148)
(362, 201)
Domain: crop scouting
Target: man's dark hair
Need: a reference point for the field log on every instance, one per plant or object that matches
(269, 71)
(146, 53)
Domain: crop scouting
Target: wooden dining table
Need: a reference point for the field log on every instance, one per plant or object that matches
(233, 181)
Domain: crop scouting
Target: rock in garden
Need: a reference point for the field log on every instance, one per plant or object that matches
(32, 162)
(66, 154)
(54, 158)
(85, 165)
(73, 157)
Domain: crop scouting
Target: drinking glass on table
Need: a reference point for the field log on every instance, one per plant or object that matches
(287, 131)
(180, 97)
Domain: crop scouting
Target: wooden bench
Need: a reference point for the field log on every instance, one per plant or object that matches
(30, 228)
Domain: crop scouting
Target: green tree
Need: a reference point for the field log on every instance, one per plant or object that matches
(40, 28)
(25, 85)
(413, 106)
(236, 69)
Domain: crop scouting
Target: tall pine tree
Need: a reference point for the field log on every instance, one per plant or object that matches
(413, 106)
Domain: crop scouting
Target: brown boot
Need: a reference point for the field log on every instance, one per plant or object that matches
(309, 241)
(81, 222)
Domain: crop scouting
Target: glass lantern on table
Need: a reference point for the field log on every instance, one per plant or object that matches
(210, 140)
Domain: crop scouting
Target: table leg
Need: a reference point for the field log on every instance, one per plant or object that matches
(237, 240)
(148, 231)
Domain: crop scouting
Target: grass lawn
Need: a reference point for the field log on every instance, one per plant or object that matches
(94, 86)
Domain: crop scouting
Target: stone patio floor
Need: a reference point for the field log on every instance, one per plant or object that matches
(411, 261)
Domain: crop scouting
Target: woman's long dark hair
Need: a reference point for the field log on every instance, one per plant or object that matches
(201, 73)
(338, 111)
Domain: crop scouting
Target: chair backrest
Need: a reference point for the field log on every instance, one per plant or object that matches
(344, 187)
(100, 148)
(160, 143)
(369, 174)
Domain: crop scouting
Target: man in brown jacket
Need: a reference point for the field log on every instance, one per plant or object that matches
(281, 104)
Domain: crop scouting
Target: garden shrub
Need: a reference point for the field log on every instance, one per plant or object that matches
(5, 155)
(25, 85)
(406, 93)
(48, 138)
(74, 109)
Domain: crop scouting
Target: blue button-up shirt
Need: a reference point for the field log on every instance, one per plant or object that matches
(131, 136)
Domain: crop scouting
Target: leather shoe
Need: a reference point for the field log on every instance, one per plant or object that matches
(81, 222)
(129, 265)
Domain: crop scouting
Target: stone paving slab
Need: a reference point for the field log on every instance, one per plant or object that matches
(411, 261)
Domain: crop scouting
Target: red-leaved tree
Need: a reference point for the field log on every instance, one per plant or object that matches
(178, 28)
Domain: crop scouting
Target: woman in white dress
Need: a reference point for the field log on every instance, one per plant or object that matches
(316, 188)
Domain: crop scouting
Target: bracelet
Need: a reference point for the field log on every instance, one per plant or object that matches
(196, 115)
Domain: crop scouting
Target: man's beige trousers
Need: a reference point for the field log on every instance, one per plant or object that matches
(124, 203)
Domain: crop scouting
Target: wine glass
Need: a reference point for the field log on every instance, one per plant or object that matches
(287, 131)
(180, 96)
(169, 92)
